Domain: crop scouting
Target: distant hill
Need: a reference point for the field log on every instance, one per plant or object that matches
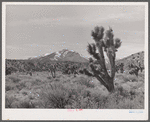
(63, 55)
(134, 58)
(70, 57)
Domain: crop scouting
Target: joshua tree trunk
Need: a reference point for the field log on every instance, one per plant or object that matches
(107, 82)
(52, 70)
(104, 42)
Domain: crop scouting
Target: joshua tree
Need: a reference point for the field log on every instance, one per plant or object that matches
(53, 70)
(90, 60)
(117, 68)
(104, 42)
(121, 68)
(134, 70)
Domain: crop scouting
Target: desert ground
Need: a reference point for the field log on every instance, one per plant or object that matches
(66, 91)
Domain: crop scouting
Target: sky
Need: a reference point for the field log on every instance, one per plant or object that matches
(35, 30)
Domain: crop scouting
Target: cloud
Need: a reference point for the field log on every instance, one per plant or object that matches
(118, 18)
(40, 21)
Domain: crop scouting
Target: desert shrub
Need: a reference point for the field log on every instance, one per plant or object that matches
(9, 101)
(49, 77)
(84, 81)
(26, 104)
(55, 96)
(122, 99)
(36, 82)
(120, 91)
(141, 75)
(21, 85)
(87, 83)
(97, 100)
(127, 78)
(89, 98)
(75, 95)
(57, 79)
(14, 79)
(29, 85)
(8, 87)
(131, 101)
(132, 78)
(24, 93)
(81, 97)
(31, 96)
(58, 95)
(82, 103)
(10, 70)
(81, 71)
(131, 104)
(111, 101)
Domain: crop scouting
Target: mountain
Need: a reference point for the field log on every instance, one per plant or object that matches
(63, 55)
(134, 58)
(69, 55)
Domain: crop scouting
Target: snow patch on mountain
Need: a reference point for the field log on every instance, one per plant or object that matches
(57, 55)
(46, 54)
(65, 53)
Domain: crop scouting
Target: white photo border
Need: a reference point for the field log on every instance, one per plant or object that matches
(63, 114)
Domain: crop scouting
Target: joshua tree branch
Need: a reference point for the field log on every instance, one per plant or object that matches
(111, 57)
(95, 71)
(88, 73)
(102, 58)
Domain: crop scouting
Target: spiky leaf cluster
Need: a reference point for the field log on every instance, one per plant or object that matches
(87, 72)
(91, 48)
(91, 60)
(108, 39)
(98, 33)
(117, 43)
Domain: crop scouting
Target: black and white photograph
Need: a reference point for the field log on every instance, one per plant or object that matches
(74, 61)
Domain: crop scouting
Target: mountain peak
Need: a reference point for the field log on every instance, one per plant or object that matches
(62, 55)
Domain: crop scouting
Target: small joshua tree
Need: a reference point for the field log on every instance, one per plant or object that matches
(117, 68)
(51, 68)
(104, 42)
(134, 70)
(121, 67)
